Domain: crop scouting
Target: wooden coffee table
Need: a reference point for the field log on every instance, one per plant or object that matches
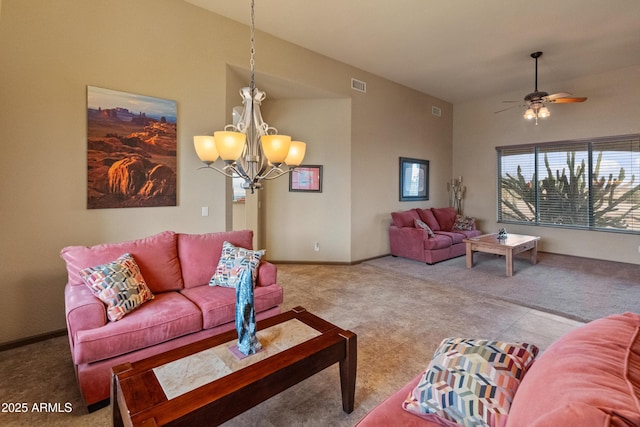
(512, 245)
(204, 383)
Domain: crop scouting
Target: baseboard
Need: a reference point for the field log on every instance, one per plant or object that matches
(33, 339)
(326, 262)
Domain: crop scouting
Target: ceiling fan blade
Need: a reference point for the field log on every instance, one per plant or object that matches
(505, 109)
(556, 96)
(569, 100)
(562, 98)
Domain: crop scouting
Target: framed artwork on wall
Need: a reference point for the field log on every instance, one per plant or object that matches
(131, 150)
(414, 179)
(306, 178)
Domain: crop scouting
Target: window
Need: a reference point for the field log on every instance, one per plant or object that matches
(239, 193)
(581, 184)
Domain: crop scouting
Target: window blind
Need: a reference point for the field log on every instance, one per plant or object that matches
(616, 173)
(516, 184)
(592, 184)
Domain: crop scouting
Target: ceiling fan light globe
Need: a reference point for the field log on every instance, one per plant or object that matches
(529, 114)
(544, 112)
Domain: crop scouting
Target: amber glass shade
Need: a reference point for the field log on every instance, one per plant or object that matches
(206, 148)
(229, 144)
(296, 153)
(276, 147)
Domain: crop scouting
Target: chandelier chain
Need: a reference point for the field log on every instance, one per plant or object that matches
(253, 165)
(252, 51)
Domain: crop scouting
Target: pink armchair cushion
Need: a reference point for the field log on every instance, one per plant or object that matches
(169, 315)
(218, 303)
(427, 216)
(596, 366)
(157, 257)
(446, 217)
(390, 412)
(405, 218)
(199, 253)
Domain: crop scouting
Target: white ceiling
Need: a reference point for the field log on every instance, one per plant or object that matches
(456, 50)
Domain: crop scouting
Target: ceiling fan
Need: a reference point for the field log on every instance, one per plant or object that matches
(536, 100)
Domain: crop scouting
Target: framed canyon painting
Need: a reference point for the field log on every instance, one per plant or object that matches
(131, 150)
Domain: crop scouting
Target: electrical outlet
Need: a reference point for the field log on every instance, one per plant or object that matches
(205, 211)
(316, 246)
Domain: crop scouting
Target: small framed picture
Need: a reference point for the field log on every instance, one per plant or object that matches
(306, 178)
(414, 179)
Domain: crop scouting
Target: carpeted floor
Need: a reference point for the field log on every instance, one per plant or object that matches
(399, 309)
(578, 288)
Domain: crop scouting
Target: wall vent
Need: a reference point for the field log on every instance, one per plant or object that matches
(436, 111)
(358, 85)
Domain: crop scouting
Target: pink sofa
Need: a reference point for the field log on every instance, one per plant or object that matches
(177, 268)
(589, 377)
(408, 240)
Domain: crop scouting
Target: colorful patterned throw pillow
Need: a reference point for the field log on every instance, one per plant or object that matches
(233, 261)
(464, 223)
(118, 284)
(421, 224)
(471, 382)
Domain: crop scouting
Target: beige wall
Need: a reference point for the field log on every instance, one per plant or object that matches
(389, 122)
(612, 109)
(170, 49)
(295, 221)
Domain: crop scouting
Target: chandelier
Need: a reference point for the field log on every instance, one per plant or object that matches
(250, 148)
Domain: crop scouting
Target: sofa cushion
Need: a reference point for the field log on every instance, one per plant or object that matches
(157, 257)
(218, 304)
(454, 236)
(235, 260)
(404, 218)
(169, 315)
(446, 217)
(471, 382)
(427, 216)
(588, 377)
(438, 241)
(199, 253)
(119, 285)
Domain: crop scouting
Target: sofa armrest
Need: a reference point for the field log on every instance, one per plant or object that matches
(82, 310)
(267, 274)
(407, 242)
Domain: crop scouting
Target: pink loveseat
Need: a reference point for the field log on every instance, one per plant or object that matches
(442, 240)
(177, 269)
(588, 378)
